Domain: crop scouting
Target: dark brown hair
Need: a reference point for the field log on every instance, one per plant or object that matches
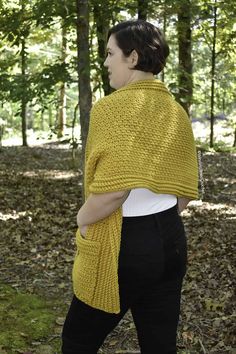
(146, 39)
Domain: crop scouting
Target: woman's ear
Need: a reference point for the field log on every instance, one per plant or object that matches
(133, 58)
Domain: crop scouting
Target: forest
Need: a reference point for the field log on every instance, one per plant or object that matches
(52, 56)
(51, 73)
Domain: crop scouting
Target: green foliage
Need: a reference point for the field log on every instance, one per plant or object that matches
(225, 80)
(219, 146)
(36, 24)
(47, 13)
(45, 81)
(40, 22)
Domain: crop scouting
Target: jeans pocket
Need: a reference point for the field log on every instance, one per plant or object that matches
(176, 257)
(85, 268)
(175, 248)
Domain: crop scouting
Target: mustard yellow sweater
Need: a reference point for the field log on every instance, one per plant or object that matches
(139, 136)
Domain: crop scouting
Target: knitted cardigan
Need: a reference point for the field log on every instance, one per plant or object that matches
(139, 136)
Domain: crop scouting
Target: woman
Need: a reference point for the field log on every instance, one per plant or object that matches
(141, 171)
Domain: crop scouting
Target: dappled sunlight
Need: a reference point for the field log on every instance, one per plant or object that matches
(203, 206)
(201, 130)
(15, 215)
(226, 180)
(52, 174)
(37, 138)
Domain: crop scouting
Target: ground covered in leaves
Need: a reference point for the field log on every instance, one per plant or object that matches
(40, 193)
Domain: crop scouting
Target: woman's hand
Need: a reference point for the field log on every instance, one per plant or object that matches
(98, 207)
(83, 230)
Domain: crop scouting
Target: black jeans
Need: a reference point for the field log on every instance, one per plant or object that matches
(152, 265)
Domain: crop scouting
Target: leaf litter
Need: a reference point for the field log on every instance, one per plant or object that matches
(40, 194)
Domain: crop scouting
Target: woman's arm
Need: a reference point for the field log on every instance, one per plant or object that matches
(99, 206)
(182, 203)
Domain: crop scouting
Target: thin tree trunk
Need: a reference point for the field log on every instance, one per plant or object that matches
(102, 25)
(23, 98)
(1, 133)
(62, 111)
(50, 123)
(164, 32)
(62, 99)
(234, 143)
(42, 121)
(142, 9)
(30, 118)
(213, 63)
(85, 94)
(185, 60)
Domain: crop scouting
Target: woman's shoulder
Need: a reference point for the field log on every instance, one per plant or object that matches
(113, 97)
(113, 100)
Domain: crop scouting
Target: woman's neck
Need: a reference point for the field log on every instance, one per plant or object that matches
(138, 75)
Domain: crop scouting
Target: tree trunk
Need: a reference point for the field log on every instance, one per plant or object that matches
(50, 122)
(85, 94)
(102, 24)
(213, 63)
(142, 9)
(185, 81)
(23, 98)
(61, 111)
(1, 133)
(42, 121)
(164, 32)
(30, 118)
(62, 99)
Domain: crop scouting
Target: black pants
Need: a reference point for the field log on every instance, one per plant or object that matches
(152, 265)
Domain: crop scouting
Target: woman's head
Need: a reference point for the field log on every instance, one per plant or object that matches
(135, 45)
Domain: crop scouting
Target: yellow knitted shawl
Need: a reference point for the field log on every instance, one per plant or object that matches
(139, 136)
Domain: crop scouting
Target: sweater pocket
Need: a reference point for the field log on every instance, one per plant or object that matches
(85, 268)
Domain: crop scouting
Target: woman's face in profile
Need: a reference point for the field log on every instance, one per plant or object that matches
(119, 66)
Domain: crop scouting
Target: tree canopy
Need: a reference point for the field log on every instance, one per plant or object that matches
(40, 41)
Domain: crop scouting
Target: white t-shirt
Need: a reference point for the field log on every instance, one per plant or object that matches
(142, 201)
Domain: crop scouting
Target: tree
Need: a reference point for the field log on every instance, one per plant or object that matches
(215, 55)
(102, 21)
(85, 94)
(142, 9)
(164, 15)
(62, 91)
(213, 63)
(36, 69)
(23, 79)
(61, 15)
(185, 82)
(15, 27)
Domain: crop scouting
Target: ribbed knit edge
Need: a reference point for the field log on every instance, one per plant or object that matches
(159, 187)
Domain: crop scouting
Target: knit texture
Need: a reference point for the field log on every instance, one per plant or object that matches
(139, 137)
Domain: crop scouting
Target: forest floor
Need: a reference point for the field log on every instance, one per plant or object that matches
(40, 194)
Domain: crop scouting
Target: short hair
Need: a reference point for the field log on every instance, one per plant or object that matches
(146, 39)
